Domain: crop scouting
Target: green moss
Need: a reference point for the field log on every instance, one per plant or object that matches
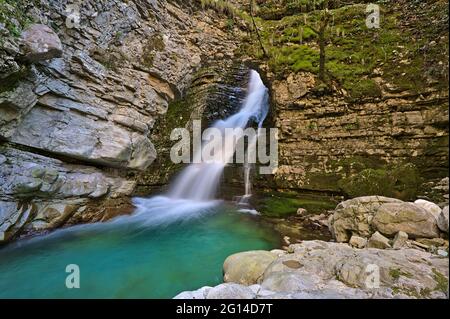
(401, 52)
(441, 281)
(282, 205)
(396, 273)
(220, 6)
(400, 181)
(14, 10)
(153, 45)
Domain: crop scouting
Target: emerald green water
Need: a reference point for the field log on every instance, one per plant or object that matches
(149, 255)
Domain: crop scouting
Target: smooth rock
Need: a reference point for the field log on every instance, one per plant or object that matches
(248, 267)
(230, 291)
(429, 206)
(336, 270)
(40, 43)
(407, 217)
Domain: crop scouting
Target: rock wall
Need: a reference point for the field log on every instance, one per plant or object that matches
(79, 96)
(377, 122)
(324, 139)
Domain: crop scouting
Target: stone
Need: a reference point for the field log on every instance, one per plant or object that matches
(355, 215)
(336, 270)
(197, 294)
(443, 220)
(400, 240)
(230, 291)
(429, 206)
(407, 217)
(358, 242)
(436, 242)
(40, 43)
(301, 212)
(378, 241)
(248, 267)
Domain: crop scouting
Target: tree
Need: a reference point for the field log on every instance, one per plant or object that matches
(321, 33)
(252, 5)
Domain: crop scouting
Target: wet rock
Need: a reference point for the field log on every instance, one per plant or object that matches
(378, 241)
(443, 220)
(247, 268)
(407, 217)
(400, 240)
(40, 43)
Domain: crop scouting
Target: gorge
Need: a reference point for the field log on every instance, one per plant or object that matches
(89, 98)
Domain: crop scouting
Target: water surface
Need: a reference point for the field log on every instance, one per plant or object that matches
(157, 253)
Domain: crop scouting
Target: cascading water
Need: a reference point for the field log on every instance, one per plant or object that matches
(157, 251)
(193, 192)
(200, 181)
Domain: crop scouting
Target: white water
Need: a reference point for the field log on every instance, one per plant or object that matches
(193, 192)
(200, 181)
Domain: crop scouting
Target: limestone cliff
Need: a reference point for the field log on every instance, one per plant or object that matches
(81, 86)
(377, 123)
(85, 111)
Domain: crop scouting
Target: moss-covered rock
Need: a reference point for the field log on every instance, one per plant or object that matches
(399, 181)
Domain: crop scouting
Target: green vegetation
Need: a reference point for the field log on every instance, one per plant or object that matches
(399, 181)
(395, 273)
(399, 51)
(13, 15)
(441, 280)
(153, 45)
(283, 205)
(220, 6)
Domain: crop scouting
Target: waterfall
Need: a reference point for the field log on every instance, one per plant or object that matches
(200, 181)
(193, 191)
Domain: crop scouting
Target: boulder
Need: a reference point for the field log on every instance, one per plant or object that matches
(40, 43)
(429, 206)
(358, 242)
(230, 291)
(248, 267)
(354, 216)
(407, 217)
(400, 240)
(443, 220)
(378, 241)
(317, 269)
(197, 294)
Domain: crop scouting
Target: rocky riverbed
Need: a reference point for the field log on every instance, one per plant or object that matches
(385, 248)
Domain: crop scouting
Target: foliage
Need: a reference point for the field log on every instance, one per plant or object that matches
(13, 15)
(403, 51)
(281, 205)
(399, 181)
